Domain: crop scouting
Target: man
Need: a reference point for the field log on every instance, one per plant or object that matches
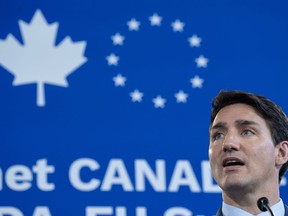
(248, 152)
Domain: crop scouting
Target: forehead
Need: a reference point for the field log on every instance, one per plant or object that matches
(238, 111)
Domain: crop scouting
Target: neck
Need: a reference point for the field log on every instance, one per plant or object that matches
(246, 195)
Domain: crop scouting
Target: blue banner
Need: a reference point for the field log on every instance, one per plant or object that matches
(105, 105)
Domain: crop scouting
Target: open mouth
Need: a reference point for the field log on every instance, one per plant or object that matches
(228, 162)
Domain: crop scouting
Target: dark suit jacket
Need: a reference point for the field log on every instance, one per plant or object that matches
(219, 212)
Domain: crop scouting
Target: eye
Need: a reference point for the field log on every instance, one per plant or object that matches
(248, 132)
(217, 136)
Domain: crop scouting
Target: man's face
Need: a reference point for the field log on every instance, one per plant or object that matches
(242, 154)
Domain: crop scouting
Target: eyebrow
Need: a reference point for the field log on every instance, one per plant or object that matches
(223, 125)
(219, 125)
(246, 122)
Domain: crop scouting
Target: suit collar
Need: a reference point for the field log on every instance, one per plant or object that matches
(219, 212)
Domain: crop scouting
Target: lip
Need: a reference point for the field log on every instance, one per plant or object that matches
(236, 159)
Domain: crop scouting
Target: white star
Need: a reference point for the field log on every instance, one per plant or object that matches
(181, 97)
(197, 82)
(112, 59)
(201, 61)
(119, 80)
(136, 96)
(117, 39)
(194, 41)
(177, 26)
(133, 25)
(159, 102)
(155, 20)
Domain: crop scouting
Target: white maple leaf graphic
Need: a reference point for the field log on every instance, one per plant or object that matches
(39, 60)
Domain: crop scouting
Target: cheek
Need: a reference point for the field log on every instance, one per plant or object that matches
(214, 150)
(261, 156)
(213, 156)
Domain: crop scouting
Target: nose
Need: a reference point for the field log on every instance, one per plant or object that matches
(230, 143)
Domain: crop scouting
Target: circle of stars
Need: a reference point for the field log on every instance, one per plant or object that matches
(156, 21)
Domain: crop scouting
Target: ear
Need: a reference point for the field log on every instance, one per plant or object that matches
(281, 153)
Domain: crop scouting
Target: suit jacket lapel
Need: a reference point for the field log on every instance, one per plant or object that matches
(286, 210)
(219, 212)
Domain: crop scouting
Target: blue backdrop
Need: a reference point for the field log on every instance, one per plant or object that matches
(105, 105)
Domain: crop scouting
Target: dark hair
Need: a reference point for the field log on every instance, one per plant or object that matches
(268, 110)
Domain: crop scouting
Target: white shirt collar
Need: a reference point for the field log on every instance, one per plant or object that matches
(228, 210)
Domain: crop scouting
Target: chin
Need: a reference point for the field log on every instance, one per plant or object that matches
(236, 186)
(234, 183)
